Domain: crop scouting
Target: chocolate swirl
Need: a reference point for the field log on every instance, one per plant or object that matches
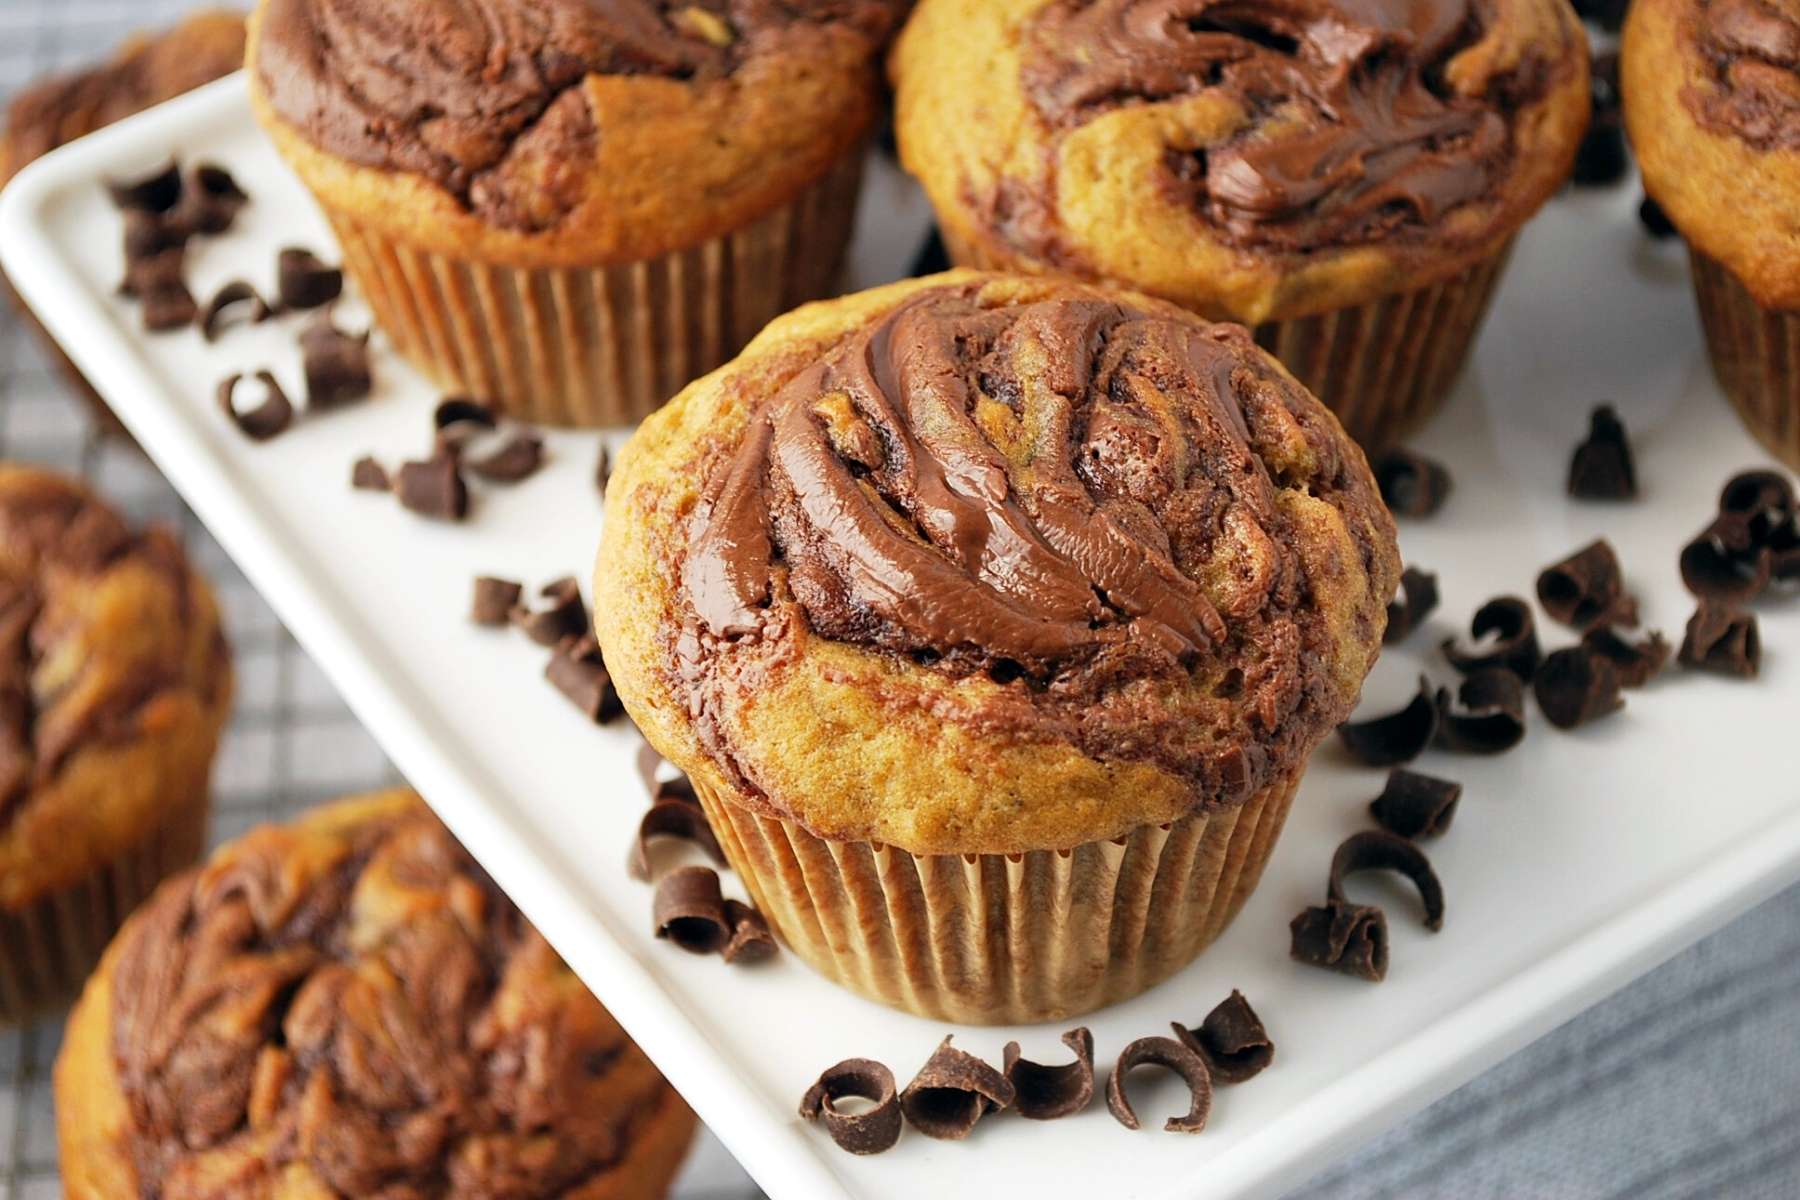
(1354, 125)
(1752, 51)
(352, 1005)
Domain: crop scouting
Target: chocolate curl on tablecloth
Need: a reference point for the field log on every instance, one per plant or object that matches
(1046, 1093)
(1414, 805)
(1576, 686)
(1587, 589)
(1174, 1056)
(871, 1131)
(1418, 597)
(1231, 1039)
(1510, 632)
(1395, 737)
(951, 1092)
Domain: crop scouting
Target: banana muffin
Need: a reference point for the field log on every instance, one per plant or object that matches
(994, 620)
(347, 1007)
(115, 681)
(573, 207)
(1343, 175)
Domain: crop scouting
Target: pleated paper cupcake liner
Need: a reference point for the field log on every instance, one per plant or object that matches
(49, 947)
(1755, 353)
(1002, 939)
(603, 345)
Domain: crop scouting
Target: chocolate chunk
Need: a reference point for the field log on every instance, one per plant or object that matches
(302, 281)
(1635, 663)
(689, 910)
(210, 200)
(1575, 686)
(368, 475)
(1351, 939)
(1231, 1039)
(517, 460)
(1723, 640)
(1511, 630)
(951, 1092)
(1492, 719)
(931, 257)
(578, 672)
(566, 616)
(1169, 1053)
(871, 1131)
(1418, 597)
(1397, 737)
(494, 600)
(602, 470)
(336, 365)
(1655, 221)
(267, 419)
(156, 193)
(1602, 468)
(1728, 563)
(1045, 1093)
(1414, 805)
(671, 818)
(236, 302)
(1378, 850)
(1411, 484)
(1587, 588)
(751, 940)
(433, 488)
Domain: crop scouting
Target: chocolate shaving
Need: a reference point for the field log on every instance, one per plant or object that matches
(210, 200)
(1351, 939)
(689, 910)
(1723, 640)
(238, 301)
(1418, 597)
(565, 617)
(578, 672)
(1508, 622)
(302, 281)
(1635, 663)
(671, 818)
(951, 1092)
(368, 475)
(494, 601)
(1494, 718)
(1231, 1039)
(518, 460)
(1411, 484)
(1169, 1053)
(1729, 562)
(679, 788)
(1414, 805)
(268, 419)
(336, 365)
(1575, 686)
(433, 488)
(1587, 588)
(156, 193)
(1396, 738)
(1602, 468)
(750, 941)
(1378, 850)
(648, 761)
(1045, 1093)
(868, 1132)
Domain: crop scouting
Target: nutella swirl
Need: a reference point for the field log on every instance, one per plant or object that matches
(1752, 50)
(1352, 128)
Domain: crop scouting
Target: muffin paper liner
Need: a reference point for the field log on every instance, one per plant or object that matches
(1755, 353)
(1002, 939)
(49, 947)
(601, 345)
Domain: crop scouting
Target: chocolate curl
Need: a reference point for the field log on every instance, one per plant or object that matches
(302, 281)
(1508, 622)
(1173, 1055)
(458, 420)
(1411, 484)
(519, 459)
(1602, 468)
(566, 616)
(1765, 499)
(494, 601)
(1378, 850)
(1231, 1039)
(751, 940)
(869, 1132)
(1414, 805)
(336, 365)
(235, 303)
(675, 819)
(602, 470)
(210, 200)
(951, 1092)
(689, 910)
(680, 788)
(156, 193)
(1587, 589)
(433, 488)
(1396, 738)
(1418, 597)
(1494, 720)
(1576, 686)
(1351, 939)
(368, 475)
(1723, 640)
(268, 419)
(1635, 663)
(1044, 1093)
(579, 673)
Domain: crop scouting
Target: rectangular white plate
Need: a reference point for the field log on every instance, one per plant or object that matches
(1575, 863)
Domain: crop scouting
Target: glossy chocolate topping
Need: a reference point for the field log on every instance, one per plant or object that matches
(1073, 496)
(1354, 125)
(1752, 47)
(481, 96)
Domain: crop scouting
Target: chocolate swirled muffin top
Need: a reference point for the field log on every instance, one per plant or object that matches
(1753, 49)
(348, 1007)
(115, 680)
(1248, 160)
(976, 564)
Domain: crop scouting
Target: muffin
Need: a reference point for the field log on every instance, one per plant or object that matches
(114, 683)
(347, 1006)
(571, 210)
(994, 620)
(1346, 179)
(1712, 106)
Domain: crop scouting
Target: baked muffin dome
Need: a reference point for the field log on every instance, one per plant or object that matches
(347, 1006)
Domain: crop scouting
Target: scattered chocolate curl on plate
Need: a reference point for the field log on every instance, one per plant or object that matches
(1176, 1057)
(1047, 1093)
(1575, 686)
(1764, 498)
(1727, 563)
(871, 1131)
(689, 910)
(1492, 716)
(1602, 468)
(1587, 589)
(1351, 939)
(368, 475)
(457, 419)
(1418, 597)
(1414, 805)
(1411, 484)
(302, 281)
(579, 673)
(518, 460)
(1511, 632)
(1397, 737)
(210, 200)
(336, 365)
(565, 615)
(672, 819)
(433, 488)
(270, 418)
(951, 1092)
(1378, 850)
(1635, 663)
(236, 303)
(157, 192)
(751, 940)
(1231, 1039)
(494, 601)
(1723, 640)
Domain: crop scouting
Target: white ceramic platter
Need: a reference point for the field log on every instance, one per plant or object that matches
(1575, 863)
